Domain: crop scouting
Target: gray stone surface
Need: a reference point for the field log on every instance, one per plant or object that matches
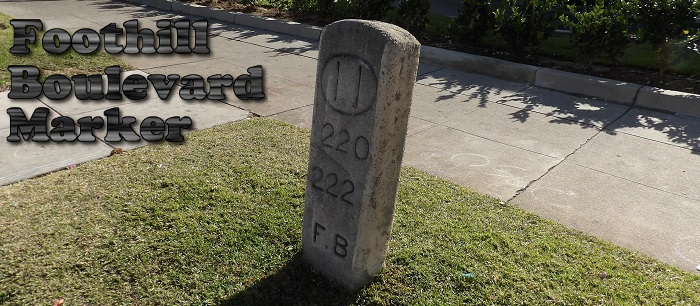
(44, 10)
(106, 12)
(27, 105)
(665, 167)
(579, 84)
(146, 61)
(664, 127)
(204, 114)
(564, 106)
(529, 131)
(71, 105)
(480, 64)
(490, 167)
(301, 117)
(23, 160)
(424, 67)
(436, 106)
(280, 26)
(365, 78)
(275, 41)
(615, 175)
(289, 66)
(417, 125)
(69, 23)
(626, 213)
(477, 88)
(161, 4)
(669, 100)
(280, 95)
(219, 49)
(203, 11)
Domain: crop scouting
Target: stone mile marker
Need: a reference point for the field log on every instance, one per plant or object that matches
(364, 85)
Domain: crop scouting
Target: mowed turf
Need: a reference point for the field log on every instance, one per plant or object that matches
(217, 220)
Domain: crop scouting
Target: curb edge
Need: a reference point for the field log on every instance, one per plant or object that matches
(578, 84)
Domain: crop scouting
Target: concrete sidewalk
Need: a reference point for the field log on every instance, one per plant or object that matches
(619, 173)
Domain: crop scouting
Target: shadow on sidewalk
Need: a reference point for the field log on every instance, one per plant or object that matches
(562, 108)
(215, 27)
(293, 45)
(683, 131)
(678, 130)
(585, 112)
(453, 88)
(121, 7)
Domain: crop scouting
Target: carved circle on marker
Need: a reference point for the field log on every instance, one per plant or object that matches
(349, 84)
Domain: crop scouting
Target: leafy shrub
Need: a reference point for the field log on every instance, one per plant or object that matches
(474, 20)
(370, 9)
(413, 16)
(663, 23)
(325, 9)
(249, 4)
(304, 7)
(281, 5)
(525, 24)
(600, 30)
(343, 9)
(331, 10)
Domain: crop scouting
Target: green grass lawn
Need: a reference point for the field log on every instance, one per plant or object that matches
(217, 220)
(68, 64)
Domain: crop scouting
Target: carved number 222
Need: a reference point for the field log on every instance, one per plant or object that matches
(347, 187)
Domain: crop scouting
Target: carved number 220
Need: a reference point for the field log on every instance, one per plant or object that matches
(361, 143)
(347, 186)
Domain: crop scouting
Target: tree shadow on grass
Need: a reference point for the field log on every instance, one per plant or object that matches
(296, 283)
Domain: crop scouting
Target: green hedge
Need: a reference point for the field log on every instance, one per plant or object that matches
(600, 29)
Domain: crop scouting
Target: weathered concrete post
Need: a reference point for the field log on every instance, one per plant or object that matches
(364, 85)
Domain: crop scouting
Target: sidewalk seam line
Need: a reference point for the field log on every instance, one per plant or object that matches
(232, 105)
(288, 110)
(654, 140)
(424, 73)
(184, 63)
(496, 141)
(520, 191)
(263, 46)
(422, 130)
(50, 165)
(635, 182)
